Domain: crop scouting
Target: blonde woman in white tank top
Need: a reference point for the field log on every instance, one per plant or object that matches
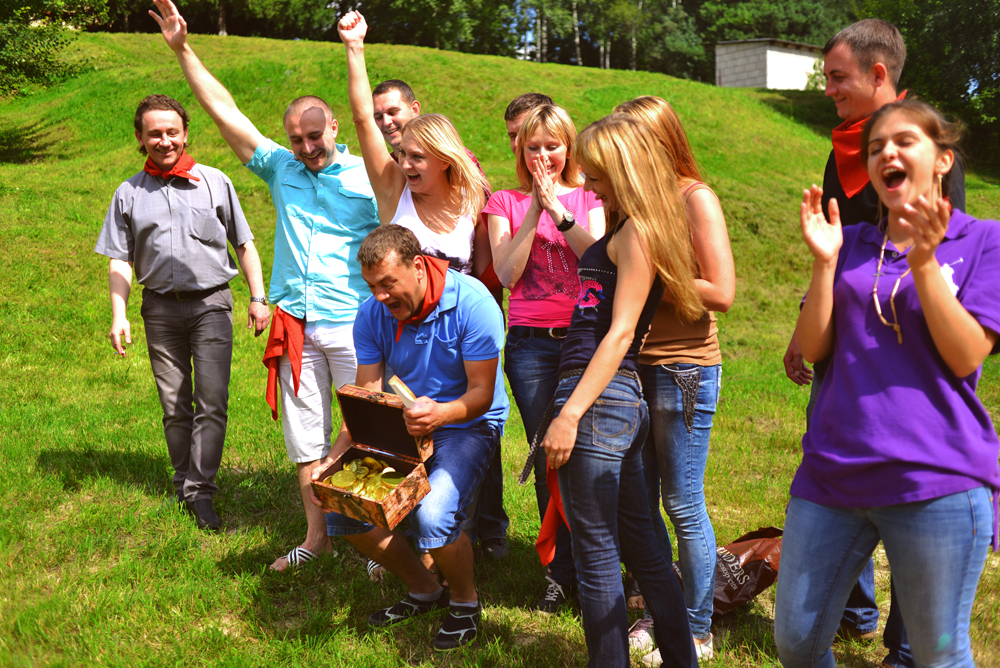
(435, 190)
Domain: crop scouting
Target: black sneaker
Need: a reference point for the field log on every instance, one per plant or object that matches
(494, 548)
(555, 596)
(407, 608)
(460, 628)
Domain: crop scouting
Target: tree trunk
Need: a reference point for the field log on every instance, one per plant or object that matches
(538, 35)
(607, 53)
(545, 40)
(600, 58)
(222, 18)
(576, 34)
(635, 27)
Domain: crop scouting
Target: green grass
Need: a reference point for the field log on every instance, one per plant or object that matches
(94, 570)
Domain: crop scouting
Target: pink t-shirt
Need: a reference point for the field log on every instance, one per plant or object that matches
(549, 287)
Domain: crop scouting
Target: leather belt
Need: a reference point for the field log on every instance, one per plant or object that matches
(526, 332)
(187, 296)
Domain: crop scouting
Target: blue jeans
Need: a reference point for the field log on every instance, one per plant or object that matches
(936, 549)
(532, 368)
(455, 470)
(605, 497)
(862, 612)
(675, 456)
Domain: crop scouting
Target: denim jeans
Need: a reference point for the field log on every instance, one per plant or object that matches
(532, 368)
(936, 549)
(674, 458)
(607, 506)
(862, 611)
(455, 470)
(184, 338)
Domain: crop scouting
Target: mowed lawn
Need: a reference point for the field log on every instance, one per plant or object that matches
(96, 568)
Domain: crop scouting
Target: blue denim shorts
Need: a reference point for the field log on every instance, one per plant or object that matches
(461, 457)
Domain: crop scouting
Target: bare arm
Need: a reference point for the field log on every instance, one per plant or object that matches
(259, 315)
(481, 252)
(635, 279)
(958, 336)
(236, 129)
(120, 285)
(717, 285)
(510, 253)
(426, 415)
(386, 176)
(814, 330)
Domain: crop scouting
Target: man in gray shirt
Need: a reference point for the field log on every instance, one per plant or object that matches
(169, 223)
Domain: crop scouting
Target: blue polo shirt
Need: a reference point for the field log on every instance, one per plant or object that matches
(322, 220)
(429, 357)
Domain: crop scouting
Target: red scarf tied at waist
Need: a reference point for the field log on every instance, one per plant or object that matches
(847, 152)
(181, 168)
(436, 271)
(286, 335)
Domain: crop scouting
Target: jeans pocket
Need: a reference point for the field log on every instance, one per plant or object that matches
(614, 423)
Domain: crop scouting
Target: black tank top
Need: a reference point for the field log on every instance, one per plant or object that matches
(592, 316)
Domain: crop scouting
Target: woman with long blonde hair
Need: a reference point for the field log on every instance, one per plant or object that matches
(435, 189)
(596, 437)
(538, 232)
(681, 370)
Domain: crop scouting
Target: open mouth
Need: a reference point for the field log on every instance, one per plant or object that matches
(893, 177)
(412, 178)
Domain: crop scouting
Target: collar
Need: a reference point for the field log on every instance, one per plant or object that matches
(338, 164)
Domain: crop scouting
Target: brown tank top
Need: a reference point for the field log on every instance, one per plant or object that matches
(671, 341)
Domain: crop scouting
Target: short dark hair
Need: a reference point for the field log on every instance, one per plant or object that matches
(873, 41)
(387, 239)
(158, 103)
(390, 85)
(300, 104)
(522, 104)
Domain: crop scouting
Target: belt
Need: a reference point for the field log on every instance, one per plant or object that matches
(187, 296)
(526, 332)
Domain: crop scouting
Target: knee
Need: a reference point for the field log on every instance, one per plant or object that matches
(796, 645)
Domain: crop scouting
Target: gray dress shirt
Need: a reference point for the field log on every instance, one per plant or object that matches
(175, 231)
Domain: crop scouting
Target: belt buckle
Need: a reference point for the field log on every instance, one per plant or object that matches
(552, 334)
(177, 296)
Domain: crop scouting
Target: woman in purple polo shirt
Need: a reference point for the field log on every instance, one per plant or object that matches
(900, 448)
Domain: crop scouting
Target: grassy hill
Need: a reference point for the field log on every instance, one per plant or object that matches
(95, 571)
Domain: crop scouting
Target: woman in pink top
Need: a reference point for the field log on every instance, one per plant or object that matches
(537, 234)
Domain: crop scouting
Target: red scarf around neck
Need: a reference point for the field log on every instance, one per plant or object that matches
(180, 168)
(847, 152)
(436, 270)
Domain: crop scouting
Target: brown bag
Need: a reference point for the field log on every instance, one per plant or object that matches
(745, 568)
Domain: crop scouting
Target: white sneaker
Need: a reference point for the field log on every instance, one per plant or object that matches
(640, 636)
(652, 659)
(704, 651)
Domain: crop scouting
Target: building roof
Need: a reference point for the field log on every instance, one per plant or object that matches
(778, 42)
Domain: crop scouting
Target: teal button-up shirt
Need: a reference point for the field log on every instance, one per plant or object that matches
(322, 220)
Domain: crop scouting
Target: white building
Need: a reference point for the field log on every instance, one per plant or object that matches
(765, 63)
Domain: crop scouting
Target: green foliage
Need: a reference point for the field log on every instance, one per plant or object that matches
(952, 60)
(809, 21)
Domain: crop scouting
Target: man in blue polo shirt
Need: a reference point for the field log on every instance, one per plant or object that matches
(325, 207)
(441, 333)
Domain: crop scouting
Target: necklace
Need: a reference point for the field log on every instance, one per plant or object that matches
(892, 297)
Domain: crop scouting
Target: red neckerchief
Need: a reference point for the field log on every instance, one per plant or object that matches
(847, 152)
(286, 335)
(180, 168)
(436, 270)
(555, 515)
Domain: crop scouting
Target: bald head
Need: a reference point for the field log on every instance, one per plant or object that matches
(300, 105)
(312, 132)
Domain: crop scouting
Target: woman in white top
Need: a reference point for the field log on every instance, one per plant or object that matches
(435, 189)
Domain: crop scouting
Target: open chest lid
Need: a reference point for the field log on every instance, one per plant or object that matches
(375, 422)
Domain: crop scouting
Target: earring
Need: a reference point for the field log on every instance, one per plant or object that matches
(940, 185)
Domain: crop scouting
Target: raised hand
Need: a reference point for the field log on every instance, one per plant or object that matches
(926, 224)
(824, 239)
(352, 28)
(172, 24)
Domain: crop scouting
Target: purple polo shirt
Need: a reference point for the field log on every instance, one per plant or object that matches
(892, 423)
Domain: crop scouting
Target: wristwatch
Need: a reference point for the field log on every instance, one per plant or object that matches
(260, 300)
(568, 221)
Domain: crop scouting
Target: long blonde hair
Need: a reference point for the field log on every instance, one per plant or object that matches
(436, 135)
(628, 154)
(556, 123)
(661, 118)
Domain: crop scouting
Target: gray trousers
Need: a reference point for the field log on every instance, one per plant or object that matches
(177, 334)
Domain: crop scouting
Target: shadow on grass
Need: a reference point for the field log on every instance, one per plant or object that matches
(806, 107)
(24, 144)
(75, 467)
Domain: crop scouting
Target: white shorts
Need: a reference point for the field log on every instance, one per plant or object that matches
(328, 361)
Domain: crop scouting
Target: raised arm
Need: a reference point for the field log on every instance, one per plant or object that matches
(717, 285)
(386, 176)
(814, 329)
(236, 129)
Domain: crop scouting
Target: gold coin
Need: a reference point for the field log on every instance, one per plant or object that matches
(342, 479)
(392, 479)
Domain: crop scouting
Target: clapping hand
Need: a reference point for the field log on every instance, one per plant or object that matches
(823, 238)
(926, 223)
(352, 28)
(543, 188)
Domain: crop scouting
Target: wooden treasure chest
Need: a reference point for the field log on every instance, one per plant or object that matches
(375, 423)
